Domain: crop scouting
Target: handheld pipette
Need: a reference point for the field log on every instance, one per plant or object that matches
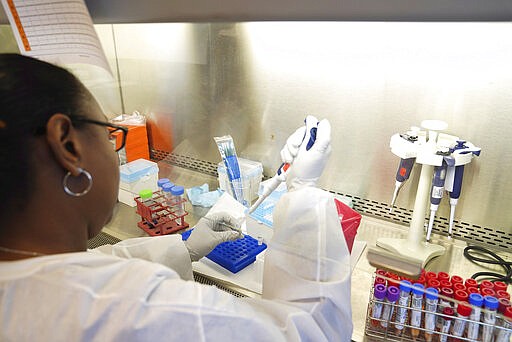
(402, 174)
(460, 148)
(436, 194)
(404, 167)
(281, 173)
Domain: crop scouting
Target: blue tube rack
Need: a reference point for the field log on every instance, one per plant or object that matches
(234, 255)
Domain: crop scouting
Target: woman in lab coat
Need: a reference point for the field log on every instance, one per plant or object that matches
(60, 181)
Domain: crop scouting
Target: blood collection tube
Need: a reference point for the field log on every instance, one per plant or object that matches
(403, 302)
(379, 293)
(421, 280)
(504, 334)
(393, 279)
(463, 312)
(416, 306)
(446, 323)
(380, 274)
(387, 312)
(490, 306)
(499, 285)
(443, 276)
(431, 275)
(446, 283)
(470, 282)
(459, 296)
(434, 283)
(503, 304)
(472, 290)
(502, 294)
(487, 291)
(486, 284)
(455, 279)
(446, 294)
(431, 297)
(458, 286)
(475, 300)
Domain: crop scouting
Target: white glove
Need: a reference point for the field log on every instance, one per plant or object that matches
(308, 165)
(209, 232)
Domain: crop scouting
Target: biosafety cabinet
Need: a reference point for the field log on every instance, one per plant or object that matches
(255, 69)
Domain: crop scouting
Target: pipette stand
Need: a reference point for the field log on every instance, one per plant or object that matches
(415, 247)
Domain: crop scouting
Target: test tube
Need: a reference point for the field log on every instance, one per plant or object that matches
(443, 303)
(379, 293)
(502, 294)
(161, 182)
(476, 300)
(486, 284)
(431, 296)
(178, 206)
(434, 283)
(503, 304)
(403, 301)
(499, 285)
(166, 190)
(490, 306)
(446, 323)
(455, 279)
(458, 286)
(487, 291)
(463, 312)
(470, 282)
(504, 334)
(387, 311)
(443, 276)
(460, 296)
(416, 306)
(431, 275)
(146, 196)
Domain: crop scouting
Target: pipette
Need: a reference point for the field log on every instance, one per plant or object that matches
(281, 173)
(436, 194)
(460, 148)
(405, 166)
(402, 174)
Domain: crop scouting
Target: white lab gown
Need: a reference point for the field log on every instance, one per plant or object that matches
(97, 297)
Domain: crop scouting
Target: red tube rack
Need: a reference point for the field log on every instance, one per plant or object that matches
(157, 216)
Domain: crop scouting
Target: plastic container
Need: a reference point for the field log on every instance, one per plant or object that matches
(251, 174)
(177, 202)
(135, 176)
(166, 190)
(161, 182)
(234, 255)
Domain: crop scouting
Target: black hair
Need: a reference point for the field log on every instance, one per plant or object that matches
(31, 91)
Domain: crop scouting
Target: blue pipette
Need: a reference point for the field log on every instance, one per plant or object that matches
(281, 173)
(460, 148)
(437, 191)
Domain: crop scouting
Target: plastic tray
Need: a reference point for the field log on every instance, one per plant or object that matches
(234, 255)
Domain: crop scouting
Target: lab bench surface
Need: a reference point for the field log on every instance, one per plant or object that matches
(124, 225)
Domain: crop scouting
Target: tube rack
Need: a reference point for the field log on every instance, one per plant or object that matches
(157, 217)
(375, 331)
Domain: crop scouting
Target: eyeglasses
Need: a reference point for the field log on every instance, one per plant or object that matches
(113, 130)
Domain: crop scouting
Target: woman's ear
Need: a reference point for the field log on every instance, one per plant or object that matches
(63, 141)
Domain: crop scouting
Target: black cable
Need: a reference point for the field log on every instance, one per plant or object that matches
(493, 259)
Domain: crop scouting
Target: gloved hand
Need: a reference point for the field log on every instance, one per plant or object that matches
(209, 232)
(310, 160)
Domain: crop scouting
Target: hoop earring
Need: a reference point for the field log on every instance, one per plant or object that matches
(77, 194)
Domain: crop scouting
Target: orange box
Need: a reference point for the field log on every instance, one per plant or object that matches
(137, 145)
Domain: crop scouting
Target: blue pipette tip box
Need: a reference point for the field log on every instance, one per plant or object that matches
(234, 255)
